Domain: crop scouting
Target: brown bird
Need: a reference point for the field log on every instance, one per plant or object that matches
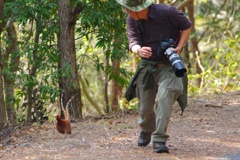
(63, 125)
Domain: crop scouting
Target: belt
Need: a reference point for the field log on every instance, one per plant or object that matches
(161, 65)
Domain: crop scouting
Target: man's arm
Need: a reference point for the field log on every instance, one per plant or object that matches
(183, 39)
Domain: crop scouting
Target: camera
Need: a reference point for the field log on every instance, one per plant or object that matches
(166, 48)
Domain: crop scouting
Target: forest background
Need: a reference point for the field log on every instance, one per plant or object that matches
(76, 52)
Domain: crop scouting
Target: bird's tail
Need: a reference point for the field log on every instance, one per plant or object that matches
(65, 110)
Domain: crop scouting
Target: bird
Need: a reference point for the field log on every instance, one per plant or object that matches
(64, 125)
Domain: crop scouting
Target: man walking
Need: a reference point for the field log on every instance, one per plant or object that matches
(154, 82)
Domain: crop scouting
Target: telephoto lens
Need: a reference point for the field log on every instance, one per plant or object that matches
(166, 48)
(177, 64)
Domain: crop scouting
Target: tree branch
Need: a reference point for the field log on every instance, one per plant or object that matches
(75, 12)
(183, 4)
(84, 89)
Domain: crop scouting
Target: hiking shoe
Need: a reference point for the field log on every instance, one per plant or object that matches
(160, 147)
(144, 139)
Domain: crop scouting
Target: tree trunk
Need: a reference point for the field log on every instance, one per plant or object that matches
(3, 117)
(187, 56)
(66, 44)
(33, 69)
(9, 81)
(194, 42)
(116, 89)
(106, 88)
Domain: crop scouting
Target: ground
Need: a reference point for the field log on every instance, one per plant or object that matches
(208, 129)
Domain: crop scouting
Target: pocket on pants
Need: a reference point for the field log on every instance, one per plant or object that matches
(171, 82)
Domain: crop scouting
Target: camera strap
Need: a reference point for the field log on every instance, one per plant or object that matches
(140, 28)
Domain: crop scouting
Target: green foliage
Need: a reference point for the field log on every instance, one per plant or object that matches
(219, 35)
(102, 27)
(101, 38)
(24, 10)
(106, 21)
(39, 58)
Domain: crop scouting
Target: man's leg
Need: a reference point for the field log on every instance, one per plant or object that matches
(169, 88)
(146, 110)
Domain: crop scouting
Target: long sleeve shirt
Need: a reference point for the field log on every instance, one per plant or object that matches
(164, 22)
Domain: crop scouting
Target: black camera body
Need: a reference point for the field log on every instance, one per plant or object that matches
(166, 48)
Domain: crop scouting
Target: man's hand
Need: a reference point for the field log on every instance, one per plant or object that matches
(145, 52)
(178, 50)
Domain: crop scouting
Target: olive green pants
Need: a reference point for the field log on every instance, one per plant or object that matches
(155, 104)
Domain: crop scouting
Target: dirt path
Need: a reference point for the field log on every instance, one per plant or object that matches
(209, 129)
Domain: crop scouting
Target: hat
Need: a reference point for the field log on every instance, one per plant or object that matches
(135, 5)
